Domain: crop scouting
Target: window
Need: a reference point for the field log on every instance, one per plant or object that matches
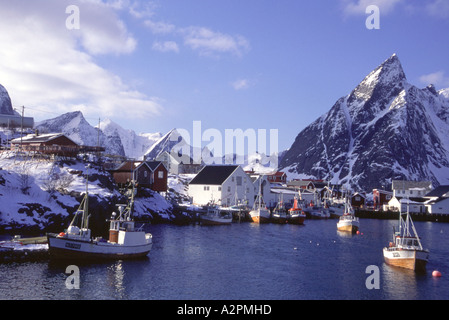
(206, 188)
(219, 188)
(229, 189)
(239, 181)
(145, 174)
(160, 174)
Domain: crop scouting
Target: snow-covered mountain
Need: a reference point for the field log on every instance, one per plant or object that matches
(5, 102)
(385, 129)
(134, 145)
(114, 138)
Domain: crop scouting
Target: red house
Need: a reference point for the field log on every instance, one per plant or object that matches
(277, 177)
(381, 197)
(147, 174)
(358, 200)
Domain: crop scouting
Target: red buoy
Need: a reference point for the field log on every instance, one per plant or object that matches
(436, 274)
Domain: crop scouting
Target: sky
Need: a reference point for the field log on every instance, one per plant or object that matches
(152, 66)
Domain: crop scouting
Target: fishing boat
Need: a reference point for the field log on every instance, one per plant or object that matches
(406, 250)
(279, 214)
(296, 215)
(260, 212)
(348, 222)
(214, 216)
(125, 241)
(315, 210)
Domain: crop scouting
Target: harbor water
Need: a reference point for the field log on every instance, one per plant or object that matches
(246, 261)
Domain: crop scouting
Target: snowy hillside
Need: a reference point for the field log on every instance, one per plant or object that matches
(384, 129)
(40, 195)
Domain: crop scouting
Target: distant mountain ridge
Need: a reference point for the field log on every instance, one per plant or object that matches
(384, 129)
(115, 139)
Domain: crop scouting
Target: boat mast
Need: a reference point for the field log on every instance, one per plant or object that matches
(85, 223)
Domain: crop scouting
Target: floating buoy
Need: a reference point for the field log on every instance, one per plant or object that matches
(358, 232)
(436, 274)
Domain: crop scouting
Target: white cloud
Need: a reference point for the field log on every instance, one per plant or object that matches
(200, 39)
(358, 7)
(240, 84)
(45, 66)
(438, 8)
(167, 46)
(160, 27)
(208, 42)
(437, 78)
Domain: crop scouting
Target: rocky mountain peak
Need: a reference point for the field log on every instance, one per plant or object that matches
(384, 129)
(5, 102)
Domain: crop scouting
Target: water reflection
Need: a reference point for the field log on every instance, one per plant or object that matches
(399, 283)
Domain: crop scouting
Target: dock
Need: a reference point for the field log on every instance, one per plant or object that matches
(24, 250)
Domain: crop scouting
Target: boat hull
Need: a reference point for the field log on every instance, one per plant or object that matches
(213, 221)
(260, 216)
(408, 259)
(63, 248)
(296, 219)
(348, 226)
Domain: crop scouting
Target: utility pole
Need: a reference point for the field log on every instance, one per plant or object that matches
(21, 129)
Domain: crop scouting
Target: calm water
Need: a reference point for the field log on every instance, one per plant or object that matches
(246, 261)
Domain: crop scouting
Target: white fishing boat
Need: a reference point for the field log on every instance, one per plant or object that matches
(215, 216)
(406, 250)
(315, 210)
(125, 241)
(348, 222)
(260, 212)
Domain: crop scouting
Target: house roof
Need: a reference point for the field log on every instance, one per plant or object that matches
(132, 165)
(406, 185)
(441, 191)
(32, 138)
(214, 174)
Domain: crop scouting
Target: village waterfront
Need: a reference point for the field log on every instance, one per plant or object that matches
(247, 261)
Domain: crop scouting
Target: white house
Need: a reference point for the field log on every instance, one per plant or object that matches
(415, 205)
(223, 184)
(410, 189)
(438, 202)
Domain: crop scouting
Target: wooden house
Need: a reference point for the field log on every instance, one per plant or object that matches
(277, 177)
(222, 184)
(358, 200)
(381, 197)
(52, 143)
(438, 202)
(146, 174)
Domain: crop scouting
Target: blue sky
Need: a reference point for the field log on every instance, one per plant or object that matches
(250, 64)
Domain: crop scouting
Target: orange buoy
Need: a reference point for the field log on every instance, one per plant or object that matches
(358, 232)
(436, 274)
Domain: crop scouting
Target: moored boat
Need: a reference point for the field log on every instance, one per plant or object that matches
(260, 212)
(279, 214)
(214, 216)
(296, 215)
(348, 222)
(125, 241)
(406, 250)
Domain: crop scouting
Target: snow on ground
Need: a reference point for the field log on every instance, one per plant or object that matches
(33, 191)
